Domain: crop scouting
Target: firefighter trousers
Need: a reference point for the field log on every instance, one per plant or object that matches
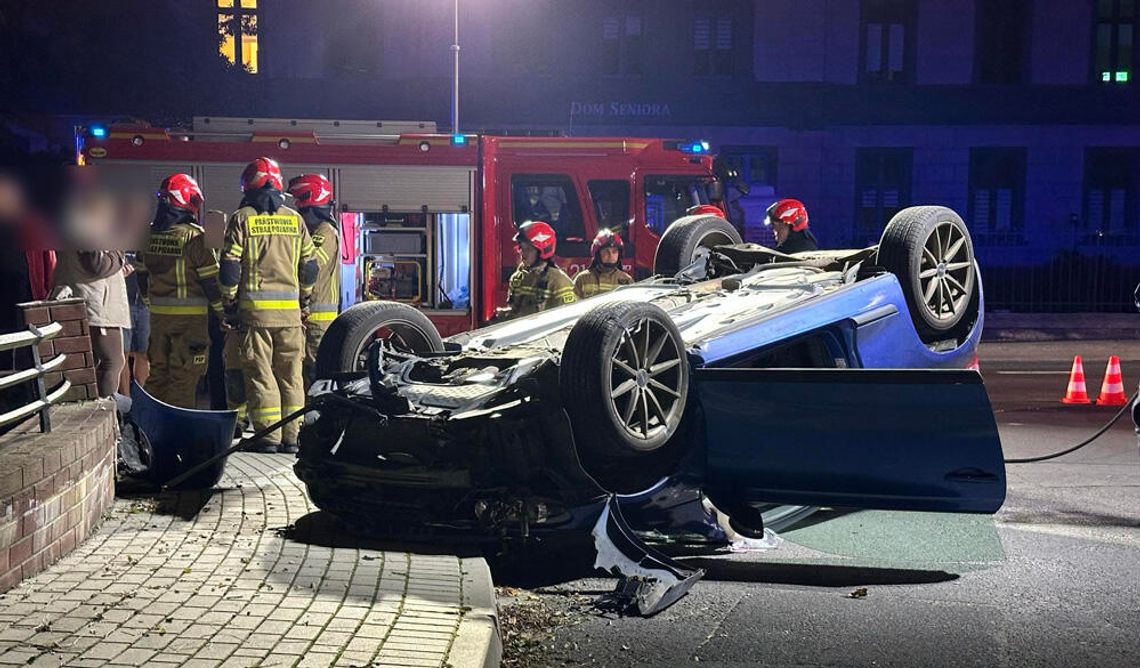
(272, 359)
(234, 373)
(179, 351)
(314, 332)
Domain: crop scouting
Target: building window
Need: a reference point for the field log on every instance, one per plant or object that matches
(713, 46)
(1002, 38)
(882, 188)
(1112, 46)
(1110, 191)
(621, 44)
(237, 33)
(887, 40)
(996, 211)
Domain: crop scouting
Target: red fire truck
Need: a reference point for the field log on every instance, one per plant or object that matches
(428, 218)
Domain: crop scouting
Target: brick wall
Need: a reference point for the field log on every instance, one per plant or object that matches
(74, 341)
(54, 488)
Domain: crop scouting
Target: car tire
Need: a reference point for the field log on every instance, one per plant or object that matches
(624, 380)
(345, 344)
(929, 250)
(687, 238)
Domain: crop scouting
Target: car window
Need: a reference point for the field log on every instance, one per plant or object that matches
(550, 198)
(611, 204)
(668, 197)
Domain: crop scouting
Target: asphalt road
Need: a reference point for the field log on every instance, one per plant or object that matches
(1052, 580)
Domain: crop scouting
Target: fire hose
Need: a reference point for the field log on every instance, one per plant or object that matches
(1029, 460)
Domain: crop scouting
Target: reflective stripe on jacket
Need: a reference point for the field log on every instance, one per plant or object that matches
(590, 282)
(531, 290)
(177, 262)
(272, 250)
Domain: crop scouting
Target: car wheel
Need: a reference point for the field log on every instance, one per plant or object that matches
(624, 379)
(344, 347)
(688, 238)
(929, 250)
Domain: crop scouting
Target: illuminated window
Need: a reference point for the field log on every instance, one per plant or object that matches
(887, 40)
(237, 33)
(1115, 30)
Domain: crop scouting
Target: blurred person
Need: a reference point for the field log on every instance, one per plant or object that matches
(313, 196)
(267, 274)
(178, 279)
(788, 219)
(605, 272)
(538, 283)
(97, 277)
(137, 338)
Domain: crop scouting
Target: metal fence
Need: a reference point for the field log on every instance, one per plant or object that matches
(42, 401)
(1071, 282)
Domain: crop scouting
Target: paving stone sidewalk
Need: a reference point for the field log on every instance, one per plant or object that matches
(247, 575)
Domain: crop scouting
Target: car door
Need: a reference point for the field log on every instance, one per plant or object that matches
(868, 438)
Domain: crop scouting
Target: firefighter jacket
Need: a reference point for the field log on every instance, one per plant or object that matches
(267, 266)
(178, 273)
(799, 242)
(599, 279)
(326, 292)
(534, 289)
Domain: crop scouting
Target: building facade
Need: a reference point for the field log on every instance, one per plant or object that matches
(1023, 115)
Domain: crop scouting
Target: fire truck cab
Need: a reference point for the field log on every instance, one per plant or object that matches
(428, 218)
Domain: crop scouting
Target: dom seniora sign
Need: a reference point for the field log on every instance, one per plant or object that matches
(615, 108)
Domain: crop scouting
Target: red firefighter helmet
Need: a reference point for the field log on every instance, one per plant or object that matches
(789, 211)
(262, 172)
(181, 191)
(606, 238)
(311, 190)
(540, 235)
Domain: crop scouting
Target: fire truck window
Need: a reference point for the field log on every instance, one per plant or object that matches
(553, 199)
(668, 197)
(611, 204)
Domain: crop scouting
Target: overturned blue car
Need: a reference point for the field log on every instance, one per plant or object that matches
(751, 379)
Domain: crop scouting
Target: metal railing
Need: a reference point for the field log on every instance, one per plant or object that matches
(43, 401)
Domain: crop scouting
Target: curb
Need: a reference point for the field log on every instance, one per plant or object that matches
(477, 643)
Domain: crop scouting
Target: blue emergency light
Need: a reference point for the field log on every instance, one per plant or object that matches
(458, 140)
(699, 146)
(98, 131)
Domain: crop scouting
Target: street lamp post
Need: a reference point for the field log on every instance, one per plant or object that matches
(455, 76)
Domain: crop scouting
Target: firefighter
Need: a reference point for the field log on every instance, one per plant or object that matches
(314, 199)
(178, 278)
(538, 283)
(267, 276)
(788, 219)
(605, 272)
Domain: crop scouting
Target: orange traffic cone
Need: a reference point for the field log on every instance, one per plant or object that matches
(1076, 393)
(1112, 390)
